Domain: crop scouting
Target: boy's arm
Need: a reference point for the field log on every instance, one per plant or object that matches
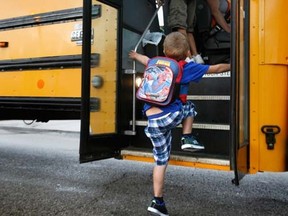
(218, 68)
(139, 57)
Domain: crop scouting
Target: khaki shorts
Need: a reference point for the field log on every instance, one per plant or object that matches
(182, 14)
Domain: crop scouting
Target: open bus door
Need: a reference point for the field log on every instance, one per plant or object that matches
(106, 87)
(99, 137)
(239, 105)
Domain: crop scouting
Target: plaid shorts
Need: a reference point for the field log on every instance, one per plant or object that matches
(159, 131)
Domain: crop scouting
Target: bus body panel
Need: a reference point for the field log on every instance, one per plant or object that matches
(41, 83)
(273, 35)
(273, 110)
(268, 84)
(12, 9)
(36, 42)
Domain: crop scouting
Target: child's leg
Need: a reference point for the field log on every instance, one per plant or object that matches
(187, 125)
(158, 180)
(157, 205)
(188, 142)
(159, 132)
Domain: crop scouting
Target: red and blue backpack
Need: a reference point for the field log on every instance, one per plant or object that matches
(161, 82)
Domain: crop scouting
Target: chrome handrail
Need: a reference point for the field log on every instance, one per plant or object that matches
(133, 131)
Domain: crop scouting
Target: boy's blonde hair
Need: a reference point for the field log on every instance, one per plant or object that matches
(176, 46)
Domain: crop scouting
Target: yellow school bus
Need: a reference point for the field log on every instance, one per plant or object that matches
(69, 60)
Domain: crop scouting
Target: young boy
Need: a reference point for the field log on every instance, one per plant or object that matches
(161, 120)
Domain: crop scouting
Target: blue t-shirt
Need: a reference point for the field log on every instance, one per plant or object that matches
(192, 72)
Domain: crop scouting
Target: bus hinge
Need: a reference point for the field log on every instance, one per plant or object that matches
(270, 131)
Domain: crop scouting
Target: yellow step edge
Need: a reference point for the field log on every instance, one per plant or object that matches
(196, 162)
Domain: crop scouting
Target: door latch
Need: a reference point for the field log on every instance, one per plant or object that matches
(270, 131)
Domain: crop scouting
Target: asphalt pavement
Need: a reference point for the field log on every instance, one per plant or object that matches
(40, 174)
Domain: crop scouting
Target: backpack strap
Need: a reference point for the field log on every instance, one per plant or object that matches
(227, 16)
(181, 64)
(181, 96)
(215, 26)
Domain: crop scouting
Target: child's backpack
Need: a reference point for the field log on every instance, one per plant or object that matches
(161, 81)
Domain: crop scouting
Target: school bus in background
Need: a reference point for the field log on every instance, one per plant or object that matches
(69, 60)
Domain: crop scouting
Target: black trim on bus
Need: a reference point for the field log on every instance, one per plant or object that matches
(43, 108)
(54, 62)
(40, 103)
(40, 109)
(48, 17)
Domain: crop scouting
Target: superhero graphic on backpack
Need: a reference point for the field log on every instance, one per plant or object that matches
(160, 83)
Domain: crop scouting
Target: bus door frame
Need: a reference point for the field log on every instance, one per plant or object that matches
(95, 147)
(239, 156)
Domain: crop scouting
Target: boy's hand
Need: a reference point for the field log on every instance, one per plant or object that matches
(138, 57)
(133, 54)
(219, 68)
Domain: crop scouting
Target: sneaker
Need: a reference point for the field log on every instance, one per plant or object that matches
(157, 209)
(198, 59)
(189, 59)
(190, 144)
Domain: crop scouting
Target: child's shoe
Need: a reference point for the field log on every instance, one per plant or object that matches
(158, 209)
(198, 59)
(189, 59)
(189, 143)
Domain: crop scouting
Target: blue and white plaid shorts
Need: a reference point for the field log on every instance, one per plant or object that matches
(159, 131)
